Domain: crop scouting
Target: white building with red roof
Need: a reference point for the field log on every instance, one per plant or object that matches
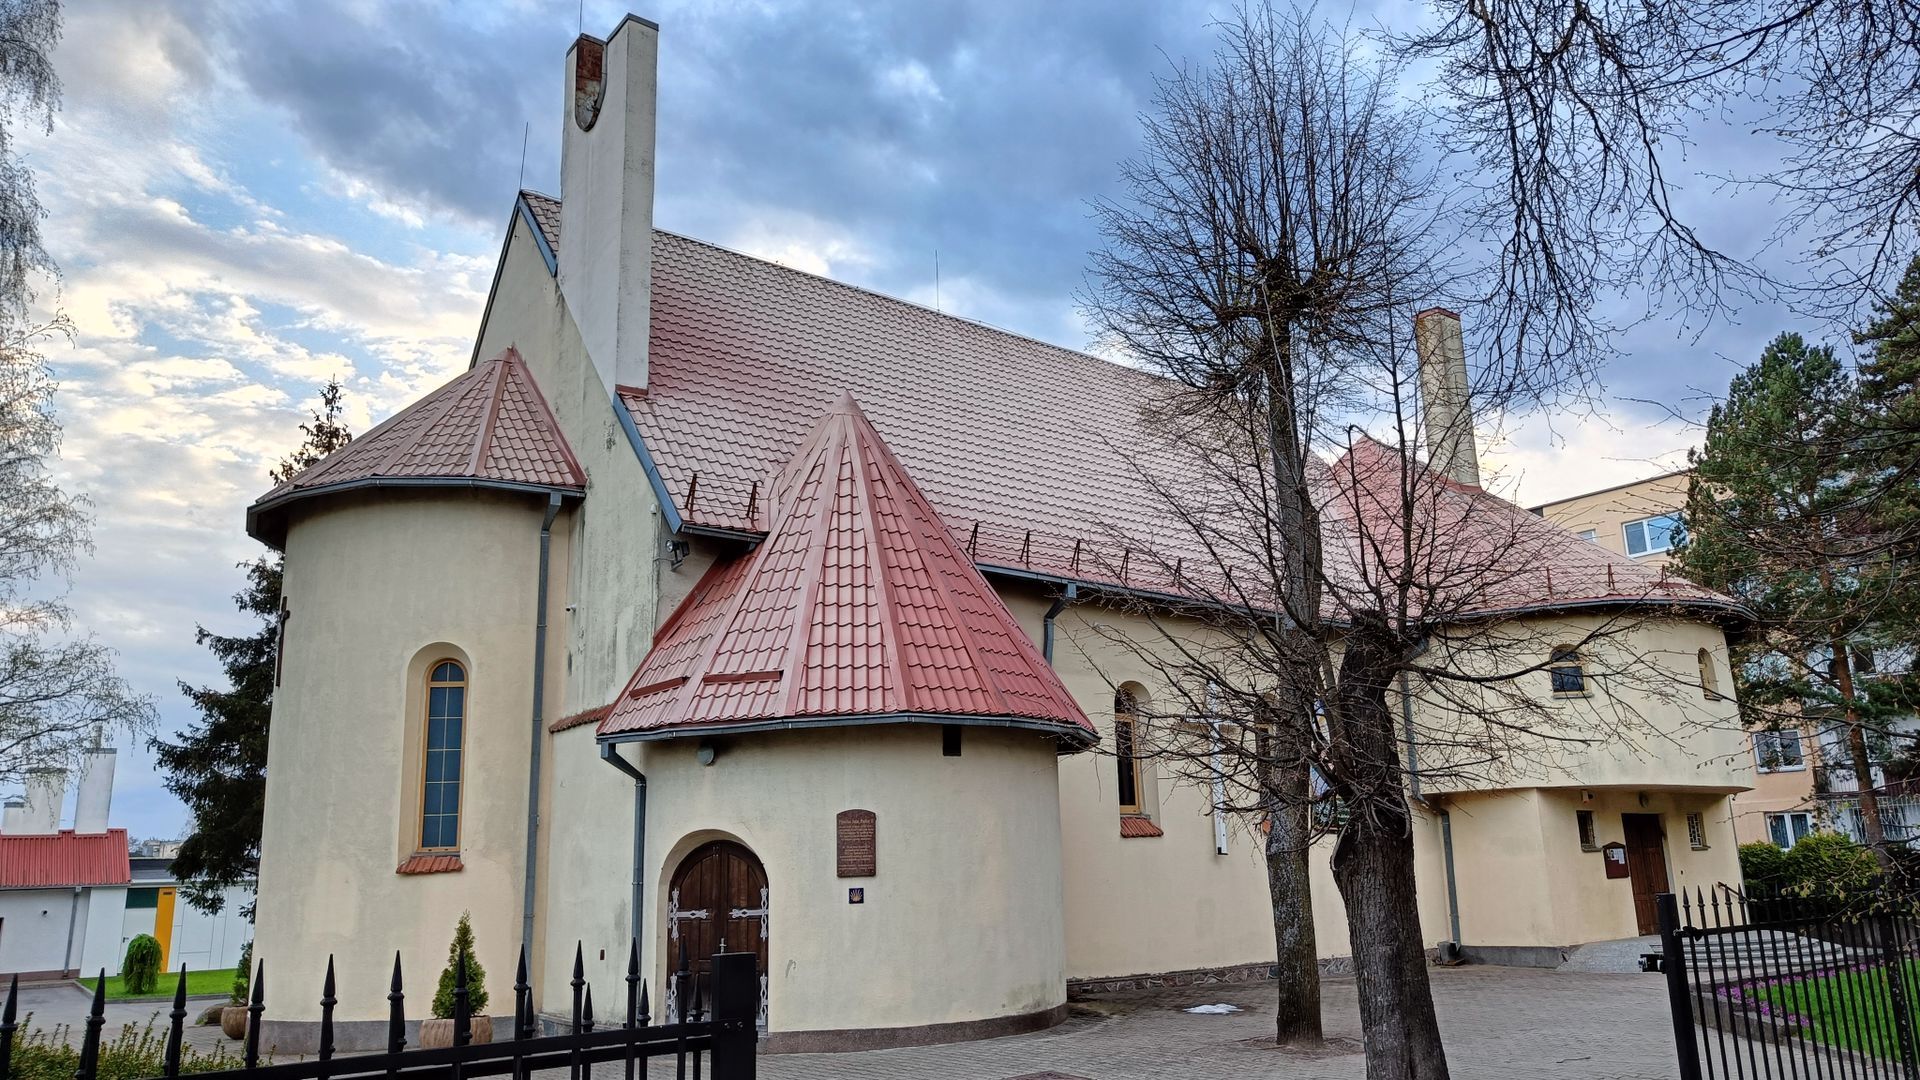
(723, 605)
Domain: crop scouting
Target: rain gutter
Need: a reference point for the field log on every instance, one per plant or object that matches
(1067, 596)
(539, 726)
(610, 754)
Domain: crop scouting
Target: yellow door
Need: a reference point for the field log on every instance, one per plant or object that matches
(163, 926)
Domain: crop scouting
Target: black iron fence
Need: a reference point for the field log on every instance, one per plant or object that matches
(714, 1030)
(1789, 987)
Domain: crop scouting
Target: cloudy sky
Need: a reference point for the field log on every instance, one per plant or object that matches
(250, 198)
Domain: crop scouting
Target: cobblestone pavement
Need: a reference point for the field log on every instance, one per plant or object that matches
(1498, 1023)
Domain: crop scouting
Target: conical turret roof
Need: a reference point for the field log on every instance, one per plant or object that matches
(490, 428)
(859, 607)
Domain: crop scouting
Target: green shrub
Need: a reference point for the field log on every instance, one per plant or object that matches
(140, 970)
(138, 1051)
(1764, 866)
(1830, 866)
(242, 975)
(476, 975)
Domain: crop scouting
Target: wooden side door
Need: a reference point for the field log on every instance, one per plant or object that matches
(1647, 866)
(717, 902)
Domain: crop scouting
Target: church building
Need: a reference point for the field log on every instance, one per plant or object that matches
(723, 607)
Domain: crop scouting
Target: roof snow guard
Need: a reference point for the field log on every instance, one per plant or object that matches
(489, 428)
(859, 608)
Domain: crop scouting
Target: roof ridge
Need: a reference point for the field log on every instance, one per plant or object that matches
(482, 445)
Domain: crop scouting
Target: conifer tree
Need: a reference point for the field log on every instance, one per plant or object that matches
(462, 947)
(1782, 516)
(219, 765)
(1889, 439)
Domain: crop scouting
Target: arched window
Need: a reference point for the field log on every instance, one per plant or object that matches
(1126, 718)
(440, 764)
(1709, 678)
(1569, 677)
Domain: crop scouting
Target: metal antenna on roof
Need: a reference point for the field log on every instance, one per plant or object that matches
(582, 27)
(936, 279)
(525, 129)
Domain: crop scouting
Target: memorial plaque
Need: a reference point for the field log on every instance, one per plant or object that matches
(853, 843)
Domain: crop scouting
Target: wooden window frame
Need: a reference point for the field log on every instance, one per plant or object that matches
(1709, 676)
(1588, 829)
(426, 751)
(1567, 658)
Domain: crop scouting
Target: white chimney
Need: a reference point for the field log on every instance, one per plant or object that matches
(1446, 394)
(95, 795)
(46, 792)
(606, 196)
(14, 820)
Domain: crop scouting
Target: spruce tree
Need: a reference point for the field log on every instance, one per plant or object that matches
(1888, 442)
(219, 765)
(1782, 516)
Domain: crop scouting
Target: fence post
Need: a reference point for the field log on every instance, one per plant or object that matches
(1673, 961)
(96, 1019)
(1887, 929)
(8, 1024)
(736, 1007)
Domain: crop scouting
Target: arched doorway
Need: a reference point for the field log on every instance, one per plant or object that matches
(717, 902)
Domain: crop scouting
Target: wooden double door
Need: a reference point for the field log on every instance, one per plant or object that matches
(717, 902)
(1647, 866)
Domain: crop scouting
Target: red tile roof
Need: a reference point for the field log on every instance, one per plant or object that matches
(430, 864)
(490, 427)
(859, 605)
(1479, 553)
(1037, 456)
(64, 859)
(1134, 826)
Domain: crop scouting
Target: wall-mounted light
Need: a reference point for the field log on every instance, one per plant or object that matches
(705, 753)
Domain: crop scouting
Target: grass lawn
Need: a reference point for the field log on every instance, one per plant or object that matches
(1851, 1009)
(199, 984)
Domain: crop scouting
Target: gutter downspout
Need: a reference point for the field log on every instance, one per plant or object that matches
(1453, 891)
(73, 916)
(1071, 593)
(610, 753)
(539, 725)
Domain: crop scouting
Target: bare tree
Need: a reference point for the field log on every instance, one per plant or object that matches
(1579, 112)
(56, 689)
(1280, 226)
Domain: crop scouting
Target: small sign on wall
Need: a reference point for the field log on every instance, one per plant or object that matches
(854, 849)
(1615, 857)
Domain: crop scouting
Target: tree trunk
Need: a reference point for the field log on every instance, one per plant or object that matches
(1373, 866)
(1297, 964)
(1871, 830)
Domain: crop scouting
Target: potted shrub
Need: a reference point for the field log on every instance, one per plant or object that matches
(233, 1015)
(438, 1032)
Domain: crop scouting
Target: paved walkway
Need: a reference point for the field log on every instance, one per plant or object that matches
(1498, 1023)
(65, 1004)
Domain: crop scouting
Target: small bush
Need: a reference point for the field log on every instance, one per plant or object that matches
(1764, 866)
(140, 970)
(138, 1051)
(476, 975)
(242, 975)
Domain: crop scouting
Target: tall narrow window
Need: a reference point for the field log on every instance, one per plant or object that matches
(1126, 712)
(1569, 677)
(1709, 678)
(440, 776)
(1588, 841)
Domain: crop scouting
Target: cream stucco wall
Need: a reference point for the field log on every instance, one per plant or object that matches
(1608, 512)
(617, 536)
(1524, 879)
(1645, 722)
(963, 920)
(378, 585)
